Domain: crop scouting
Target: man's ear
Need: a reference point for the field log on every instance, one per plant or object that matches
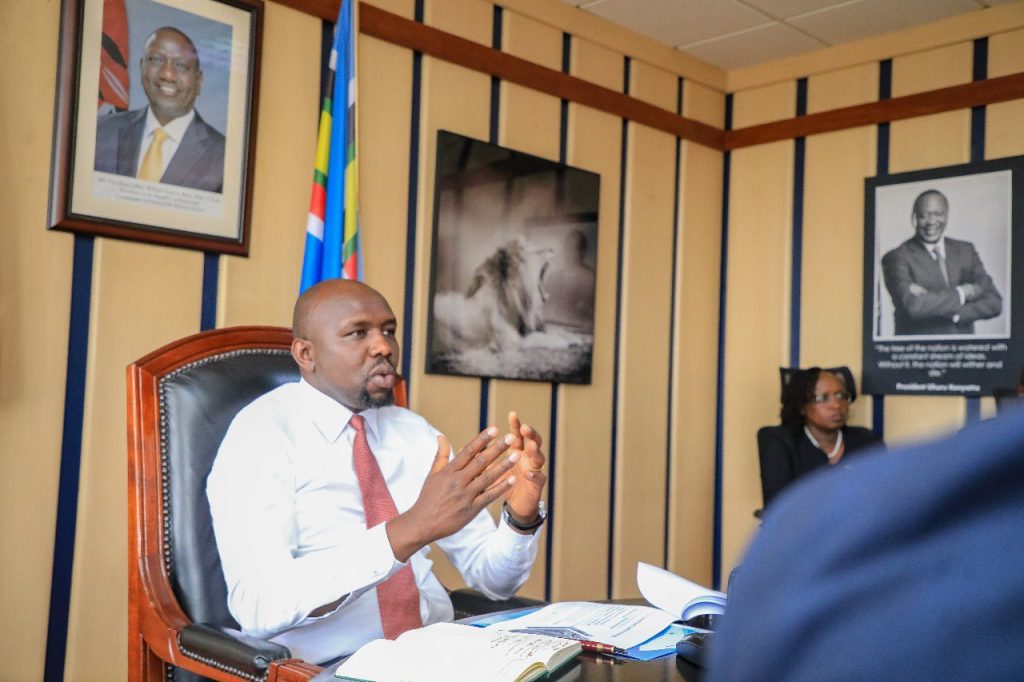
(302, 352)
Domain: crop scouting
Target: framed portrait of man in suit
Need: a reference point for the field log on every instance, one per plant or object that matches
(944, 273)
(164, 153)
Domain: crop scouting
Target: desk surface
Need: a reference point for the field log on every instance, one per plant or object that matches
(591, 667)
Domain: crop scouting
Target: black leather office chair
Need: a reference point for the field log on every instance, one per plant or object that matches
(181, 399)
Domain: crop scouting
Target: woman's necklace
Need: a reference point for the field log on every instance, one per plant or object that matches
(835, 451)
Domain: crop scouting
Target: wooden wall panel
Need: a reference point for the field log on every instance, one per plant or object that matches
(698, 256)
(385, 93)
(581, 528)
(757, 308)
(833, 230)
(1002, 121)
(262, 288)
(131, 315)
(645, 322)
(35, 278)
(530, 122)
(452, 404)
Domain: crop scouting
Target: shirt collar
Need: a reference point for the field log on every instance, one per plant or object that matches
(175, 129)
(939, 246)
(329, 416)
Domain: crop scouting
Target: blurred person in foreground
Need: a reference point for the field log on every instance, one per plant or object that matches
(908, 569)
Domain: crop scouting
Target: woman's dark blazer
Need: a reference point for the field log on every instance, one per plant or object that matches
(787, 454)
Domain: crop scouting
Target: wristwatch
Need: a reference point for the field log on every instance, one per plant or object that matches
(542, 514)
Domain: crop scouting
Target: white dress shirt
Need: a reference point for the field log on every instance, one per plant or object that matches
(292, 536)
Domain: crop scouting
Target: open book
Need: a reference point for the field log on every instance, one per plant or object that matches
(461, 653)
(677, 595)
(644, 632)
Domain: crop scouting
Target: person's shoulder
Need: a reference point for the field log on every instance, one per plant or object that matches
(860, 436)
(271, 406)
(119, 120)
(211, 132)
(901, 250)
(780, 432)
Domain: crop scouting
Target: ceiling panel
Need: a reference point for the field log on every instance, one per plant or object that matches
(863, 18)
(784, 9)
(763, 44)
(679, 22)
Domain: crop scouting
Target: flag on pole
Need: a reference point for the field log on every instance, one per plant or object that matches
(332, 229)
(113, 91)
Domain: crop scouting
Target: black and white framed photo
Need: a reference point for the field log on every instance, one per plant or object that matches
(943, 273)
(513, 265)
(155, 124)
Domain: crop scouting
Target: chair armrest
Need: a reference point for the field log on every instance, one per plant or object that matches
(230, 651)
(469, 602)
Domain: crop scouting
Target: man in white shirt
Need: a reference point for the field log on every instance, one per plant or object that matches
(938, 285)
(168, 141)
(301, 564)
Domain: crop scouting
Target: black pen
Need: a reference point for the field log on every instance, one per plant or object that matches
(601, 648)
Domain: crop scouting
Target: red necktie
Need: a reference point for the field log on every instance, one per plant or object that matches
(397, 597)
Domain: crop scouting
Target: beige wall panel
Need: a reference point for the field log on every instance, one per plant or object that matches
(385, 101)
(450, 403)
(703, 104)
(691, 496)
(1003, 136)
(757, 327)
(35, 286)
(261, 289)
(844, 88)
(932, 69)
(764, 104)
(833, 231)
(132, 314)
(597, 64)
(402, 8)
(529, 121)
(832, 271)
(583, 485)
(928, 142)
(644, 325)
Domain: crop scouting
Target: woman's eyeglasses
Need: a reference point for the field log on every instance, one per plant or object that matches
(838, 396)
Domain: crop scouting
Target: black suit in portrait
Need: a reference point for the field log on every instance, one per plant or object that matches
(786, 454)
(198, 163)
(934, 312)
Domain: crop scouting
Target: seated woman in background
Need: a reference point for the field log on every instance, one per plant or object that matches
(815, 407)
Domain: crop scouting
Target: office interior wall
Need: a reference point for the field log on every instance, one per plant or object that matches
(829, 249)
(615, 462)
(138, 297)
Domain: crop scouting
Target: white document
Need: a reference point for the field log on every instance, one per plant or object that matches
(620, 625)
(677, 595)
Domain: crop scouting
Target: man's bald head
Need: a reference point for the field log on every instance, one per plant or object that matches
(344, 341)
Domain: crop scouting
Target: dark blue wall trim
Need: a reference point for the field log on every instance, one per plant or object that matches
(492, 137)
(716, 554)
(881, 168)
(796, 268)
(211, 270)
(410, 220)
(623, 167)
(70, 460)
(674, 314)
(980, 73)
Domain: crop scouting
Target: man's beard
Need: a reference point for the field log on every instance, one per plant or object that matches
(367, 401)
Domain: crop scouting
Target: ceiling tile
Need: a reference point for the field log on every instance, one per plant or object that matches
(773, 41)
(784, 9)
(863, 18)
(679, 22)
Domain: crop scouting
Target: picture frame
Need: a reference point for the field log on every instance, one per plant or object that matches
(198, 75)
(513, 264)
(943, 275)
